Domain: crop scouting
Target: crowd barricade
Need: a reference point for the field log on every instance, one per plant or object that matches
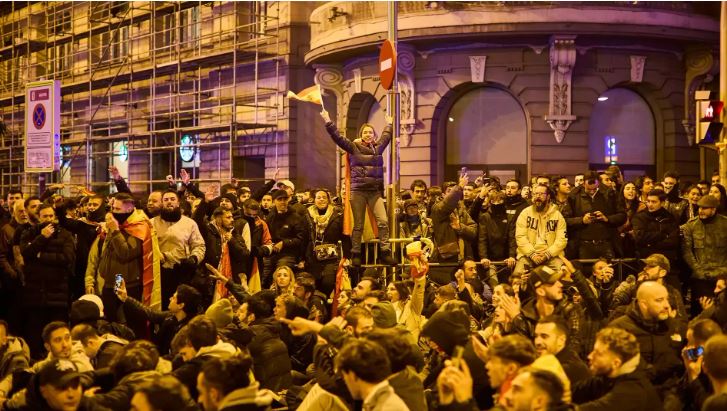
(622, 266)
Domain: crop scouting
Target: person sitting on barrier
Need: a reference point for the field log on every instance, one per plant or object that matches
(540, 233)
(367, 182)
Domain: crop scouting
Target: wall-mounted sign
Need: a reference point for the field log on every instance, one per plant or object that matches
(42, 126)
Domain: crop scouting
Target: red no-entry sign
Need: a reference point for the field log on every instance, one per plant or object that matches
(387, 64)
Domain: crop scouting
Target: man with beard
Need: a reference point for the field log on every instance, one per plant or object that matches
(48, 253)
(597, 213)
(288, 234)
(540, 233)
(126, 246)
(11, 278)
(618, 382)
(260, 242)
(674, 203)
(180, 243)
(657, 231)
(13, 195)
(418, 190)
(227, 248)
(705, 247)
(551, 337)
(651, 320)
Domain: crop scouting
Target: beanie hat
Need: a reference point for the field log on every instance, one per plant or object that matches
(447, 329)
(83, 311)
(220, 313)
(94, 299)
(232, 198)
(384, 314)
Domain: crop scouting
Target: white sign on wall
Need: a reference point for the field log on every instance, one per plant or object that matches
(42, 126)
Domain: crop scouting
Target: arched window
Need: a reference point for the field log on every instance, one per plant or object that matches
(486, 129)
(622, 132)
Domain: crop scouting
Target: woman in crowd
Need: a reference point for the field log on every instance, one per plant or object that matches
(327, 242)
(408, 303)
(283, 280)
(692, 194)
(719, 192)
(367, 183)
(625, 240)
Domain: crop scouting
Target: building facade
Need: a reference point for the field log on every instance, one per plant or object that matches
(527, 88)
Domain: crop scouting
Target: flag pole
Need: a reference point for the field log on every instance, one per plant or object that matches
(320, 90)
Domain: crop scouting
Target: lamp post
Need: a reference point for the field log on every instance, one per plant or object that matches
(393, 109)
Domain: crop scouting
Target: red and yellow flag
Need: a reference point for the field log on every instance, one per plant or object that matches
(311, 95)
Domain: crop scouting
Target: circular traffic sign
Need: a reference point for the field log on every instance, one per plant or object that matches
(39, 116)
(387, 64)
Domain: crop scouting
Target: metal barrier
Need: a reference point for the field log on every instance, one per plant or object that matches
(370, 260)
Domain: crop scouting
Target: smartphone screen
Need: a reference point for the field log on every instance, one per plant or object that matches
(119, 280)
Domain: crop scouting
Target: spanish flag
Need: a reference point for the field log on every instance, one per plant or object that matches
(312, 95)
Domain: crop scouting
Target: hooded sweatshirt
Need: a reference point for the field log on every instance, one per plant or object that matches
(538, 232)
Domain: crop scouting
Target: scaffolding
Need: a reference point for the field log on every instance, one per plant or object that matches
(149, 87)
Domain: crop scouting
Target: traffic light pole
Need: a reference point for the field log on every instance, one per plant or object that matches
(393, 107)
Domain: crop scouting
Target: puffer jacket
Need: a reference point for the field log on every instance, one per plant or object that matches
(549, 226)
(656, 232)
(271, 361)
(366, 161)
(48, 267)
(659, 344)
(705, 247)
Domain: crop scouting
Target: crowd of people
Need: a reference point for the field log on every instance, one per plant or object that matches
(603, 294)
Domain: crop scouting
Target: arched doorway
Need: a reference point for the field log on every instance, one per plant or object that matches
(622, 131)
(485, 130)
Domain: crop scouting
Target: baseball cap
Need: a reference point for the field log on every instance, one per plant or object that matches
(286, 183)
(409, 203)
(657, 260)
(59, 373)
(280, 194)
(384, 314)
(544, 275)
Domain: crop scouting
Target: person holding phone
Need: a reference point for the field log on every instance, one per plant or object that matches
(597, 214)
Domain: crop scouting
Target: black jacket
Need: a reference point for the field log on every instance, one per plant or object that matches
(628, 392)
(366, 161)
(658, 343)
(524, 324)
(656, 232)
(493, 236)
(605, 201)
(48, 267)
(165, 323)
(288, 227)
(270, 357)
(574, 367)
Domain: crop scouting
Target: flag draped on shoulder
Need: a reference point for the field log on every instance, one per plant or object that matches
(311, 94)
(139, 226)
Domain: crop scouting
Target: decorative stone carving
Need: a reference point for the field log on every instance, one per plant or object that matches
(699, 62)
(330, 78)
(357, 79)
(406, 60)
(562, 61)
(477, 68)
(637, 68)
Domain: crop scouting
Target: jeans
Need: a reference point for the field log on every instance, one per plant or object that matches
(359, 200)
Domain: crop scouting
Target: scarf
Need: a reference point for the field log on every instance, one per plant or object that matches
(139, 226)
(321, 221)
